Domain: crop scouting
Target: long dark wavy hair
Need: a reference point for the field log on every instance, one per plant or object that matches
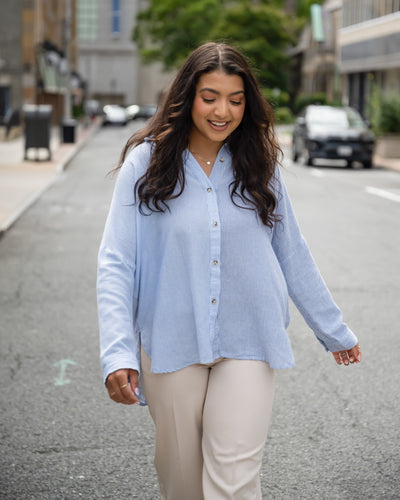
(253, 145)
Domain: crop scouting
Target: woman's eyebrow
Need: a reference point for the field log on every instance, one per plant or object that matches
(207, 89)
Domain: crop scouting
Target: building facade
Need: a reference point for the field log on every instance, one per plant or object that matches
(11, 63)
(107, 55)
(108, 58)
(315, 59)
(369, 42)
(38, 54)
(50, 55)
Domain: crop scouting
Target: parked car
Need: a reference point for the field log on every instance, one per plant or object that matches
(132, 111)
(92, 108)
(326, 132)
(114, 114)
(143, 111)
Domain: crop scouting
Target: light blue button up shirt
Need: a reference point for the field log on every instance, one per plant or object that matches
(205, 279)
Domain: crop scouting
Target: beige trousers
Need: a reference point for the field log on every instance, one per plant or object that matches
(211, 425)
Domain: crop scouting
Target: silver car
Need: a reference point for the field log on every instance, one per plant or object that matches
(327, 132)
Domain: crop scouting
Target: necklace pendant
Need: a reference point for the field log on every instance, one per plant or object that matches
(208, 162)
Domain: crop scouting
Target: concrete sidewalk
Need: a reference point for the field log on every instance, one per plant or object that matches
(389, 163)
(22, 182)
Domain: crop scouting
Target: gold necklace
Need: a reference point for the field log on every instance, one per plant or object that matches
(207, 162)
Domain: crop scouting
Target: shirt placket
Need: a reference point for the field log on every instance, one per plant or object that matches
(214, 261)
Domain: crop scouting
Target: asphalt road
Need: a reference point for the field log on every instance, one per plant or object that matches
(335, 430)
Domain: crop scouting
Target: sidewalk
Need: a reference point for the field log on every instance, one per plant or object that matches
(22, 182)
(390, 163)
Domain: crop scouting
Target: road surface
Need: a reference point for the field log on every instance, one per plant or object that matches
(335, 430)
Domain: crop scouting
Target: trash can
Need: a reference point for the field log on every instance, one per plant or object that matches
(68, 130)
(37, 128)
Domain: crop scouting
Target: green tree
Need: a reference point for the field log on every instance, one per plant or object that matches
(168, 30)
(303, 8)
(263, 32)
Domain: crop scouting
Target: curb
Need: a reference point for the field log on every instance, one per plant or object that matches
(29, 202)
(60, 166)
(78, 146)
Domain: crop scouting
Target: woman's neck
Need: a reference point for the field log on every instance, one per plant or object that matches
(204, 148)
(205, 158)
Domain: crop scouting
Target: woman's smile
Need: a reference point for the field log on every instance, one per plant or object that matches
(220, 126)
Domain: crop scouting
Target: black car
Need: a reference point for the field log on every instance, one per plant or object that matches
(326, 132)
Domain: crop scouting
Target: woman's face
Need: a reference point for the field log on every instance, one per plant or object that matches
(218, 107)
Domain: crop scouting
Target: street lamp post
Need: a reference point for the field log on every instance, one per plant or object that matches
(67, 35)
(68, 124)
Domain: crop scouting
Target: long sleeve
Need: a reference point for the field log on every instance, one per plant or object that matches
(305, 284)
(116, 295)
(205, 279)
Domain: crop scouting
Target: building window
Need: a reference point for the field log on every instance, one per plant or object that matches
(358, 11)
(87, 19)
(116, 17)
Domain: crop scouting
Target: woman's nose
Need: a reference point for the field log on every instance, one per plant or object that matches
(221, 108)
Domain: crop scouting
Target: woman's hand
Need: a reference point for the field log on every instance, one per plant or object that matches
(352, 355)
(122, 386)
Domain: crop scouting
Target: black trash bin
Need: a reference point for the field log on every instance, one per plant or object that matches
(37, 128)
(68, 130)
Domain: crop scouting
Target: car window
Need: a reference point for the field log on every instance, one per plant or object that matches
(341, 118)
(354, 118)
(328, 116)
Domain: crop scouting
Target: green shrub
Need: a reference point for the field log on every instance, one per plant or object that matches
(276, 97)
(77, 111)
(304, 100)
(389, 119)
(374, 107)
(284, 116)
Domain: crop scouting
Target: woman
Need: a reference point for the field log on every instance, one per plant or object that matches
(200, 252)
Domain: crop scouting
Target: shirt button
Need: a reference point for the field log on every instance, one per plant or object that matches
(209, 190)
(214, 301)
(215, 223)
(222, 160)
(215, 262)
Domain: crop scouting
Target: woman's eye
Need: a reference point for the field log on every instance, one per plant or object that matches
(236, 103)
(208, 101)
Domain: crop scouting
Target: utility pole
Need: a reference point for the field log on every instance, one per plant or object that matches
(67, 36)
(68, 124)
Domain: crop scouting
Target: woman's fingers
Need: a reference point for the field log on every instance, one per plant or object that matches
(122, 386)
(355, 354)
(348, 356)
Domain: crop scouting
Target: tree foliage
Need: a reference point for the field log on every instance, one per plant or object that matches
(303, 8)
(168, 30)
(263, 33)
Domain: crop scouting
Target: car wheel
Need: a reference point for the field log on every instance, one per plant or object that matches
(349, 163)
(367, 164)
(308, 160)
(295, 154)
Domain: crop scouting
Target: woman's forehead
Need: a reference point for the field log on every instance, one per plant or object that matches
(220, 81)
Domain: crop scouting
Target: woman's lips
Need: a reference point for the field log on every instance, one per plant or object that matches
(219, 126)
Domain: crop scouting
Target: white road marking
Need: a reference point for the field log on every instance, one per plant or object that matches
(316, 172)
(383, 193)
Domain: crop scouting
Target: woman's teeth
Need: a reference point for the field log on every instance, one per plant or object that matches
(219, 124)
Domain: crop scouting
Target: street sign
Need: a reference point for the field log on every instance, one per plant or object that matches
(316, 22)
